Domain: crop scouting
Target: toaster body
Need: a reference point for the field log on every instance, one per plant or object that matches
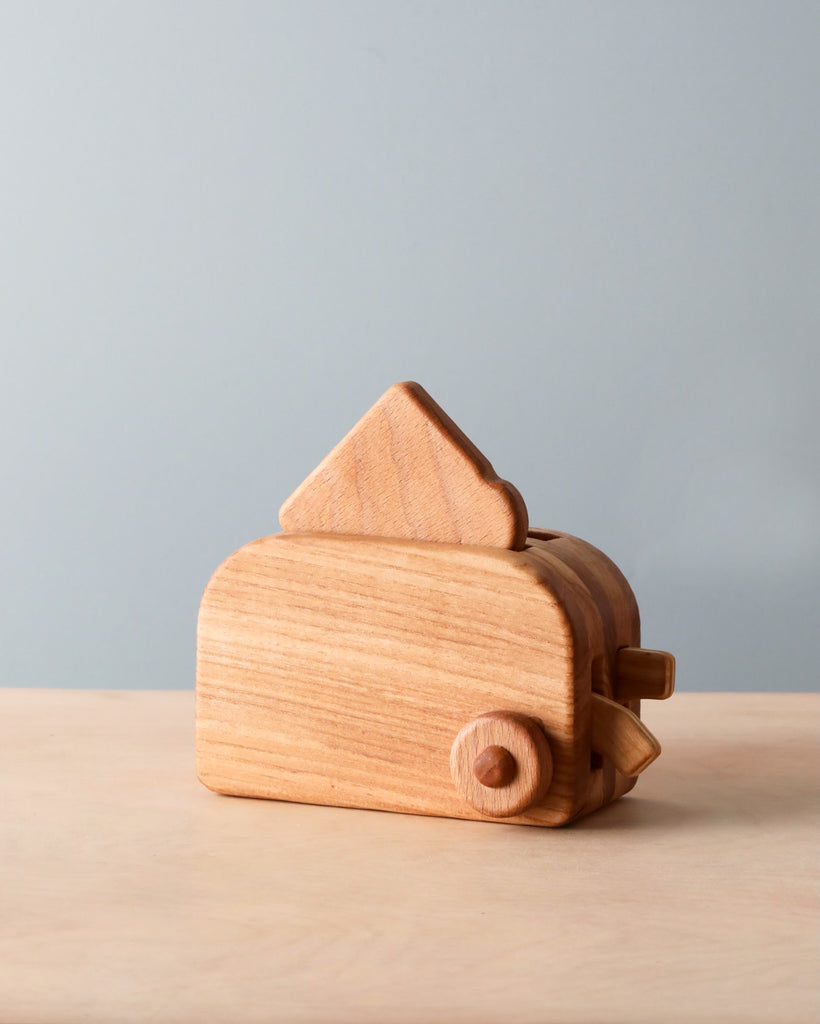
(357, 671)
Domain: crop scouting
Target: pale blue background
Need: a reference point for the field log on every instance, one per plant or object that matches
(590, 230)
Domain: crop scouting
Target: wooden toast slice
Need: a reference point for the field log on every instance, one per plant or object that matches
(407, 471)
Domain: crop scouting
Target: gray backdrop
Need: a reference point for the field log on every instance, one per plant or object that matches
(590, 230)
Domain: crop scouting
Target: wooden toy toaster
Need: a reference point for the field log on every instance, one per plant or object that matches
(409, 644)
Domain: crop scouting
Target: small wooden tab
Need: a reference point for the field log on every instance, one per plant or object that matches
(501, 763)
(644, 674)
(621, 737)
(407, 471)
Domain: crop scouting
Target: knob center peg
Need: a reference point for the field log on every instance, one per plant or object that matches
(495, 767)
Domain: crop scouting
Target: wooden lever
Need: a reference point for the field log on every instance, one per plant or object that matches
(621, 737)
(643, 674)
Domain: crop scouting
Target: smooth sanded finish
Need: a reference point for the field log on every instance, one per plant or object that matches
(501, 763)
(406, 470)
(641, 673)
(130, 893)
(619, 735)
(339, 670)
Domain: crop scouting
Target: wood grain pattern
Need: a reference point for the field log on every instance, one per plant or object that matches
(508, 739)
(641, 673)
(340, 670)
(406, 470)
(621, 736)
(611, 613)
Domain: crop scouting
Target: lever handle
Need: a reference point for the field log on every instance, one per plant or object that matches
(621, 737)
(640, 673)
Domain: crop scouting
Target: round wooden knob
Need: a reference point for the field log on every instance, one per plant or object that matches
(501, 763)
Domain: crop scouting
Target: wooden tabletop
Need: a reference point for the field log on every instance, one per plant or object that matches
(128, 892)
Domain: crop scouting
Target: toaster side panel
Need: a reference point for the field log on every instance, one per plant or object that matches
(620, 620)
(339, 670)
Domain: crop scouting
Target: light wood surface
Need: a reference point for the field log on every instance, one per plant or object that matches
(130, 893)
(406, 470)
(339, 670)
